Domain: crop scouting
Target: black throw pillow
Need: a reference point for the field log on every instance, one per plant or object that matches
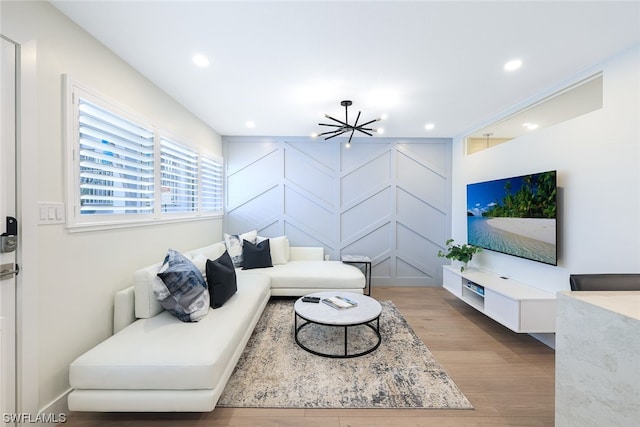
(256, 256)
(221, 278)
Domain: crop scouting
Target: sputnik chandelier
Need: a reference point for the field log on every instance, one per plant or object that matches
(341, 127)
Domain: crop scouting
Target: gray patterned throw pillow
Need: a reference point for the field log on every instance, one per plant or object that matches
(233, 242)
(183, 291)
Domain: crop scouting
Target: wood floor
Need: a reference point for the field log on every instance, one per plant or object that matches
(508, 377)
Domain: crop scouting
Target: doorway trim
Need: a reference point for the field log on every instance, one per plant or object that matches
(27, 348)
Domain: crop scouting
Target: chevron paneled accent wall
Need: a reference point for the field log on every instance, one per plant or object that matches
(385, 198)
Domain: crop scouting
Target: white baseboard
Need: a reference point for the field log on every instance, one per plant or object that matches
(53, 414)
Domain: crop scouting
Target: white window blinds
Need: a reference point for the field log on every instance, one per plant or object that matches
(179, 172)
(212, 185)
(116, 159)
(124, 170)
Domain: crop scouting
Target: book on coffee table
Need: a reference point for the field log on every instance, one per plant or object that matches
(339, 302)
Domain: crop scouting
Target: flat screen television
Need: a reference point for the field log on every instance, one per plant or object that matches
(515, 216)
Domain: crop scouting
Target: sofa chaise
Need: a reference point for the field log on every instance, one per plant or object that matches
(154, 362)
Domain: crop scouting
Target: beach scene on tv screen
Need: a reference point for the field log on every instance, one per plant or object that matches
(516, 216)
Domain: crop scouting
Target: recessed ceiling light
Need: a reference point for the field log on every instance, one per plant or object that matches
(429, 126)
(531, 126)
(200, 60)
(250, 124)
(513, 65)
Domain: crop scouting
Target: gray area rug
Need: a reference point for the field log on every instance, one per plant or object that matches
(274, 372)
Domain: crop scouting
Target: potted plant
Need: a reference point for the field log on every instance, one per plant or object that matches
(463, 253)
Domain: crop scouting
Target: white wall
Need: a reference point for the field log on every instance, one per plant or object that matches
(78, 273)
(386, 198)
(597, 157)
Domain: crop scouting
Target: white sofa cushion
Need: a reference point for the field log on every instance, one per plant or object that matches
(315, 274)
(210, 252)
(306, 253)
(170, 354)
(124, 309)
(143, 282)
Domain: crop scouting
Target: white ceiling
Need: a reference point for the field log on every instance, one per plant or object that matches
(284, 64)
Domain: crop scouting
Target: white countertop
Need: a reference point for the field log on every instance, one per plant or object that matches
(626, 303)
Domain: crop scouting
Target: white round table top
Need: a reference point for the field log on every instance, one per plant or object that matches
(368, 309)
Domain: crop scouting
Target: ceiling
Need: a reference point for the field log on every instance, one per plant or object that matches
(283, 65)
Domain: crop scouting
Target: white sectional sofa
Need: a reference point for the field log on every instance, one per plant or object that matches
(156, 363)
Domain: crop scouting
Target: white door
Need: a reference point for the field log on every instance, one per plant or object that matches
(7, 209)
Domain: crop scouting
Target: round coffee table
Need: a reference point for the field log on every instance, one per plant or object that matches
(366, 312)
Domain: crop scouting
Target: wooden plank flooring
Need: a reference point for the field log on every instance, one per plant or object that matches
(508, 377)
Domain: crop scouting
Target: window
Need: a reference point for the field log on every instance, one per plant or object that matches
(580, 98)
(122, 169)
(116, 163)
(179, 177)
(211, 185)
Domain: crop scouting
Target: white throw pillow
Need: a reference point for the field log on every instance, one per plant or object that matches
(200, 261)
(279, 250)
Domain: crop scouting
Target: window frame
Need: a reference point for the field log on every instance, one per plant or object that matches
(75, 220)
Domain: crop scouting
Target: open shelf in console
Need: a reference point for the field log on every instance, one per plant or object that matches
(473, 294)
(518, 306)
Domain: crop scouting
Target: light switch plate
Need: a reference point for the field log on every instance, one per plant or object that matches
(51, 213)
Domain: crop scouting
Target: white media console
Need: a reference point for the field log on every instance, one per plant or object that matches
(519, 307)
